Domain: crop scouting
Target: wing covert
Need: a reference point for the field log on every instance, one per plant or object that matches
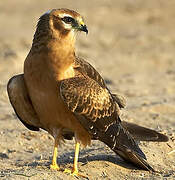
(87, 69)
(91, 104)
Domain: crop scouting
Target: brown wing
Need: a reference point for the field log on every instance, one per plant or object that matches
(85, 68)
(120, 100)
(87, 98)
(139, 133)
(96, 110)
(21, 103)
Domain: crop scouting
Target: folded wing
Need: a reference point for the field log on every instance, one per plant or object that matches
(97, 111)
(21, 103)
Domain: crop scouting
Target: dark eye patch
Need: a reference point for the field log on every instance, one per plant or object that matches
(68, 19)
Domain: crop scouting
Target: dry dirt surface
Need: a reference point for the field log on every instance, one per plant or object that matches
(132, 44)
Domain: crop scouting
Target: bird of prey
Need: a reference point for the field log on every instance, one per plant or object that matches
(64, 95)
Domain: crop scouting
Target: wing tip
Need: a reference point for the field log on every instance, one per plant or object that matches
(124, 145)
(135, 159)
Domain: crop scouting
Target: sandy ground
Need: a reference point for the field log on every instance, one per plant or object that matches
(132, 44)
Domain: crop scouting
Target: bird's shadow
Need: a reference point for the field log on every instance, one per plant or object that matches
(84, 158)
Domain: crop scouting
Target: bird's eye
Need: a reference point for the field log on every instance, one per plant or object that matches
(68, 19)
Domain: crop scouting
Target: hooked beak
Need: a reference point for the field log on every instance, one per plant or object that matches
(83, 28)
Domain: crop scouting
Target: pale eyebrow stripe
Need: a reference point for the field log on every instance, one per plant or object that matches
(64, 15)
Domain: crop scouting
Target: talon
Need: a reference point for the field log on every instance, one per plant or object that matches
(68, 171)
(54, 167)
(74, 173)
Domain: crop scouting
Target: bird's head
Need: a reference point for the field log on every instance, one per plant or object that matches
(65, 21)
(58, 26)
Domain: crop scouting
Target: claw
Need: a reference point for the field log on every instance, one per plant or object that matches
(54, 167)
(74, 173)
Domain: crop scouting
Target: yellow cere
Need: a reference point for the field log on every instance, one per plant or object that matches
(80, 20)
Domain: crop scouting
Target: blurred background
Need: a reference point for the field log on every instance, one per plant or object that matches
(130, 42)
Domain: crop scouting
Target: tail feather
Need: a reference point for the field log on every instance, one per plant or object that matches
(123, 144)
(144, 134)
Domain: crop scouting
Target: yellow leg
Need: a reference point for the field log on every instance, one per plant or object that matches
(75, 166)
(54, 164)
(74, 170)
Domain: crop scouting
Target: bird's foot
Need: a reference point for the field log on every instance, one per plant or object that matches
(54, 167)
(74, 172)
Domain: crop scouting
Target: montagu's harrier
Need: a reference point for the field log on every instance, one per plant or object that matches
(64, 95)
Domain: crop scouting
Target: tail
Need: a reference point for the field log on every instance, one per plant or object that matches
(144, 134)
(122, 143)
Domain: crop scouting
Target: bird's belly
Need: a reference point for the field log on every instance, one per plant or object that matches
(52, 112)
(55, 116)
